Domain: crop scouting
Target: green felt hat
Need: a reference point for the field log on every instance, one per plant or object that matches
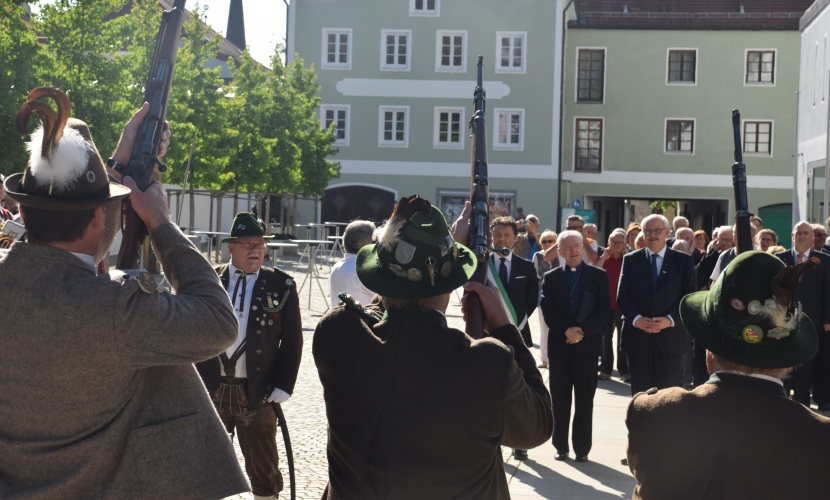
(740, 320)
(416, 257)
(245, 225)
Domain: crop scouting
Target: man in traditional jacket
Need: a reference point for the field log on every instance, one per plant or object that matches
(261, 367)
(737, 435)
(417, 409)
(98, 394)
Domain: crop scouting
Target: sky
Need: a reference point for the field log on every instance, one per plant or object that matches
(264, 22)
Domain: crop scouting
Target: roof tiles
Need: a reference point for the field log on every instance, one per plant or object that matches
(690, 14)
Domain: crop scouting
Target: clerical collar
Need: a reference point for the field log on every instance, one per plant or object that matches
(575, 269)
(86, 258)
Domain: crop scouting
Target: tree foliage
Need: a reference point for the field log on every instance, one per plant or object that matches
(258, 132)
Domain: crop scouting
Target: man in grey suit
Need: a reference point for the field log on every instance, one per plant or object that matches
(98, 394)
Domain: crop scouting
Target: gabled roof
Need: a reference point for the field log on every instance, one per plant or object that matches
(689, 14)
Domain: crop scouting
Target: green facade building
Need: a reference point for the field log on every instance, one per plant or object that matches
(397, 81)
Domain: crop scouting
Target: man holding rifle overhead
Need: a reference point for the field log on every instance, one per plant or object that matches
(98, 394)
(417, 409)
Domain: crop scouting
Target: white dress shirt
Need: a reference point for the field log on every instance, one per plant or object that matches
(343, 278)
(508, 263)
(241, 315)
(660, 257)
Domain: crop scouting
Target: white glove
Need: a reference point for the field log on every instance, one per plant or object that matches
(278, 396)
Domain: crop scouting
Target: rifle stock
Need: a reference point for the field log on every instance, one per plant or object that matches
(143, 160)
(479, 237)
(743, 231)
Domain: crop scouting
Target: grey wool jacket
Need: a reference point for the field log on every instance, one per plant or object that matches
(99, 398)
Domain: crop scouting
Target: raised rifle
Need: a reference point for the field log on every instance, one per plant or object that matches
(743, 231)
(143, 160)
(478, 240)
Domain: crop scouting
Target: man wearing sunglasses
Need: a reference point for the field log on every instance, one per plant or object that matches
(261, 366)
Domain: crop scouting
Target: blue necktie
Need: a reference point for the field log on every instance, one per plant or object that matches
(655, 272)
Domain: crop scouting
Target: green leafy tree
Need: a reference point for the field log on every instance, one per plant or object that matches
(84, 43)
(248, 142)
(22, 55)
(302, 145)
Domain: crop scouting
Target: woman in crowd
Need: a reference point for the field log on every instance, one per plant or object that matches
(766, 238)
(547, 239)
(631, 236)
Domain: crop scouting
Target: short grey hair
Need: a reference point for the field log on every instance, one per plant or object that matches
(357, 235)
(682, 246)
(568, 234)
(679, 218)
(683, 230)
(591, 225)
(617, 232)
(652, 217)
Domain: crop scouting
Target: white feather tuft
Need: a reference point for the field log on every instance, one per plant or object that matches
(67, 164)
(388, 239)
(778, 315)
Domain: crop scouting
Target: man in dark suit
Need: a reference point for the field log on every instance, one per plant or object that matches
(261, 367)
(517, 275)
(736, 436)
(518, 278)
(653, 281)
(814, 294)
(417, 409)
(576, 306)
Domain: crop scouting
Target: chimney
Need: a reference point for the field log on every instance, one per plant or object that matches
(236, 25)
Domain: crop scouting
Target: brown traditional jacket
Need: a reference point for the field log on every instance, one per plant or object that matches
(418, 410)
(734, 437)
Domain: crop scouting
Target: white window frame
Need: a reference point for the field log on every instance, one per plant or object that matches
(324, 64)
(507, 146)
(694, 136)
(337, 107)
(393, 144)
(576, 139)
(436, 135)
(450, 69)
(576, 74)
(668, 63)
(774, 67)
(500, 35)
(395, 67)
(771, 136)
(425, 12)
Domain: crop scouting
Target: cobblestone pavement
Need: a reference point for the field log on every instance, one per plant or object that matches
(305, 411)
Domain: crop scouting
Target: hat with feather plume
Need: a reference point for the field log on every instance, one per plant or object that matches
(415, 257)
(65, 170)
(751, 315)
